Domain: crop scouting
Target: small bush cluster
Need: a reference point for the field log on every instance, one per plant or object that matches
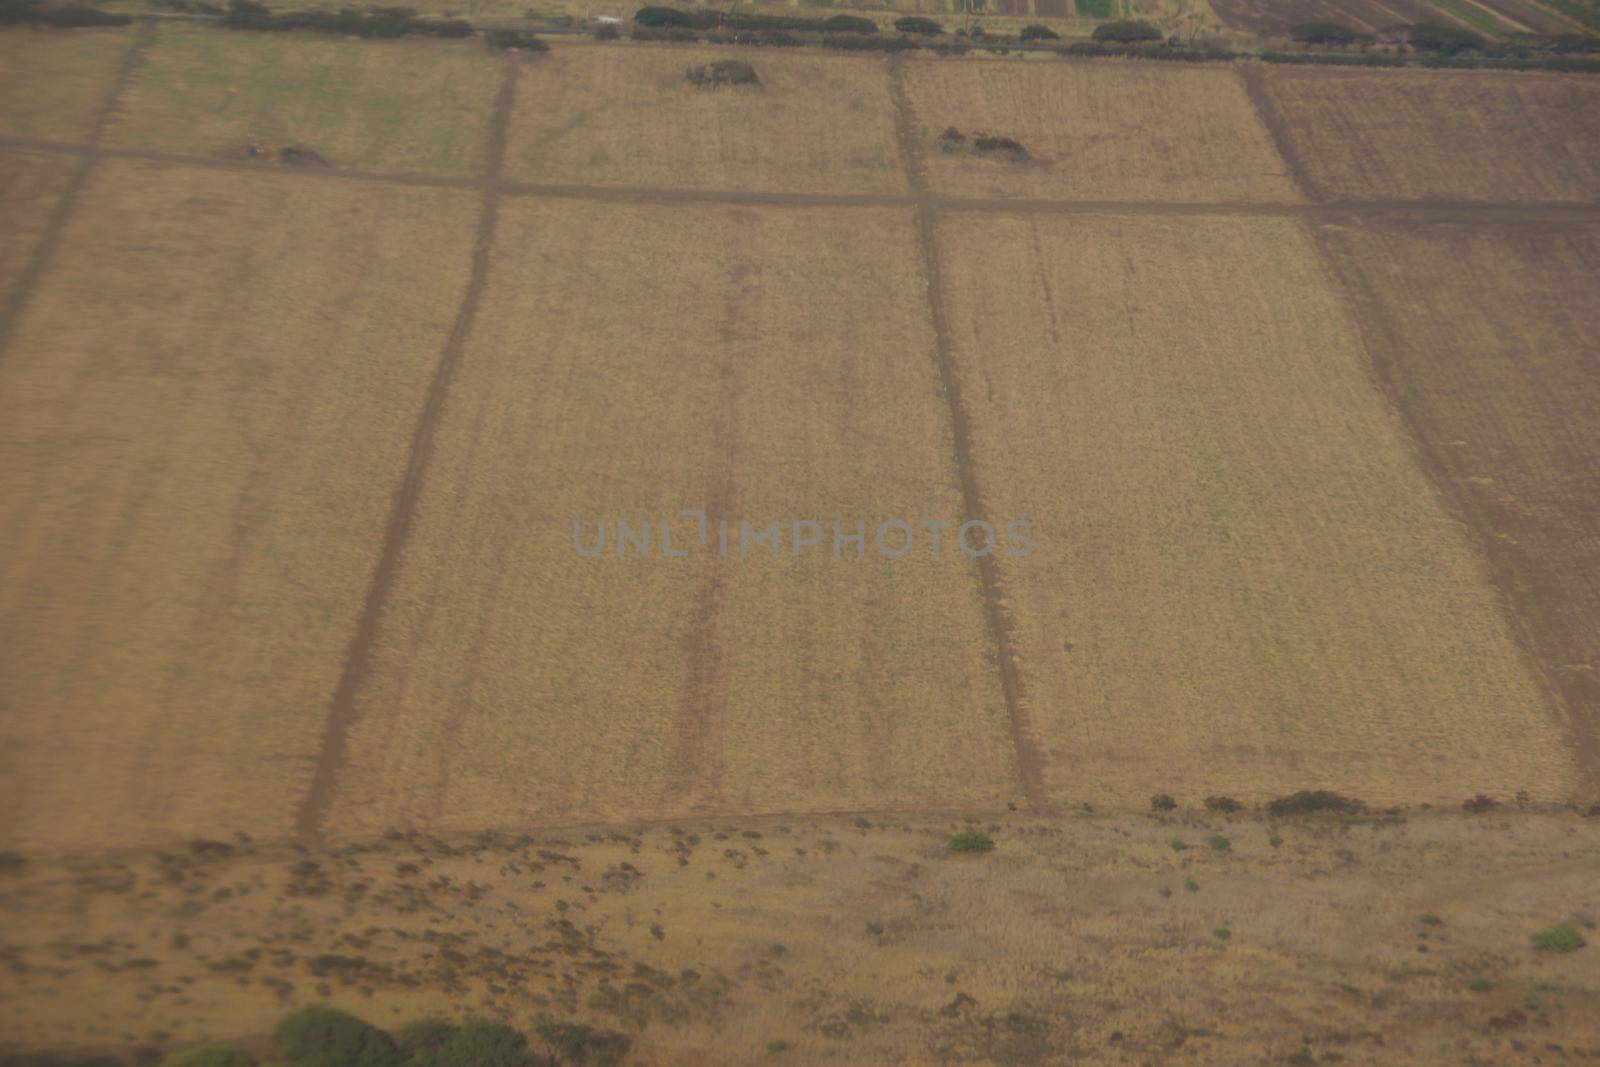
(657, 17)
(722, 72)
(971, 841)
(1560, 937)
(378, 22)
(1225, 805)
(1443, 40)
(917, 24)
(1479, 804)
(1307, 801)
(1162, 802)
(1037, 32)
(62, 16)
(1326, 32)
(984, 144)
(1126, 31)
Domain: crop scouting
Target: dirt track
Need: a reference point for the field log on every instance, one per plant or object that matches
(343, 711)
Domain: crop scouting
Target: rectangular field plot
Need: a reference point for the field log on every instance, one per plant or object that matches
(626, 116)
(1486, 337)
(204, 413)
(409, 105)
(1104, 130)
(54, 82)
(1244, 582)
(30, 185)
(1452, 135)
(781, 371)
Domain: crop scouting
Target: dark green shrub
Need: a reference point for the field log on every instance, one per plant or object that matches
(1039, 33)
(1560, 937)
(423, 1038)
(1443, 40)
(210, 1056)
(1126, 31)
(971, 841)
(480, 1043)
(917, 24)
(849, 24)
(661, 17)
(1322, 31)
(515, 40)
(324, 1037)
(1307, 801)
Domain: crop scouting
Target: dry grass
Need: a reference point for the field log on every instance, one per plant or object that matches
(625, 116)
(30, 184)
(1442, 134)
(1060, 940)
(630, 362)
(1244, 585)
(1104, 130)
(1486, 335)
(203, 415)
(52, 82)
(371, 105)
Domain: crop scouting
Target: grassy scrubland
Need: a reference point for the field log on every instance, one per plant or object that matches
(203, 414)
(1243, 576)
(364, 105)
(626, 116)
(1485, 336)
(1462, 136)
(1106, 130)
(614, 375)
(52, 83)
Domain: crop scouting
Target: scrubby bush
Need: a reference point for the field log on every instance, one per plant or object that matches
(324, 1037)
(722, 72)
(1560, 937)
(917, 24)
(1479, 804)
(1162, 802)
(1126, 31)
(661, 17)
(971, 841)
(1443, 40)
(423, 1038)
(480, 1043)
(1307, 801)
(574, 1043)
(849, 24)
(1226, 805)
(1322, 31)
(1037, 32)
(210, 1056)
(515, 40)
(1002, 146)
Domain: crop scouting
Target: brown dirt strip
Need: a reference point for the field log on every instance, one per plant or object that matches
(56, 225)
(1254, 78)
(1030, 763)
(342, 710)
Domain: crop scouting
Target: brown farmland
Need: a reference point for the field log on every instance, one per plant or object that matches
(1439, 135)
(1108, 130)
(197, 447)
(30, 187)
(1485, 338)
(1273, 17)
(611, 376)
(1243, 577)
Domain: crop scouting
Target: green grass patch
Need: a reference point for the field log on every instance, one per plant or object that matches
(1558, 937)
(971, 841)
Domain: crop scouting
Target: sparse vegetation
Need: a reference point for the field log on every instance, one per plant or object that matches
(1162, 802)
(1558, 937)
(971, 841)
(722, 72)
(209, 1056)
(1219, 843)
(1311, 801)
(1225, 805)
(515, 41)
(1326, 32)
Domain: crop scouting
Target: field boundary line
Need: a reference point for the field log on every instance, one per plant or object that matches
(1420, 210)
(1376, 328)
(1253, 76)
(333, 752)
(55, 226)
(1029, 764)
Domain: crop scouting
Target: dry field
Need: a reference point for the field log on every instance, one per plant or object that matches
(611, 375)
(30, 185)
(1086, 938)
(1105, 130)
(53, 82)
(203, 413)
(1244, 583)
(382, 106)
(1452, 135)
(1485, 337)
(626, 116)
